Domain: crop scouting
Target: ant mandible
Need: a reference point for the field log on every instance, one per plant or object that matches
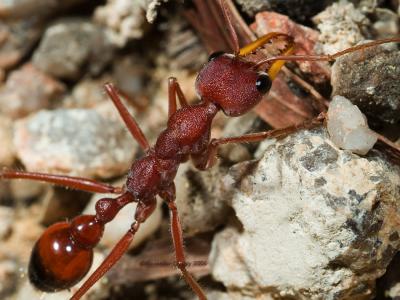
(229, 83)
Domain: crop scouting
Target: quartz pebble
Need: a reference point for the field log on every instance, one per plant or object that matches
(316, 223)
(21, 95)
(348, 127)
(77, 142)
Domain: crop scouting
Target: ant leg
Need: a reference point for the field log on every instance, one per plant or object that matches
(208, 158)
(143, 211)
(176, 231)
(77, 183)
(120, 248)
(327, 57)
(127, 117)
(174, 89)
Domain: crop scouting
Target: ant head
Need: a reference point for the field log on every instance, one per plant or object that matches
(232, 83)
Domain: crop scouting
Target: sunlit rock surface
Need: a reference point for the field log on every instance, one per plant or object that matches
(317, 222)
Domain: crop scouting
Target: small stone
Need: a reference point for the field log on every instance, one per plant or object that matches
(77, 142)
(341, 26)
(130, 74)
(87, 93)
(389, 284)
(6, 221)
(17, 37)
(8, 277)
(122, 222)
(38, 8)
(87, 43)
(387, 24)
(369, 79)
(21, 95)
(124, 19)
(302, 240)
(7, 151)
(348, 127)
(23, 191)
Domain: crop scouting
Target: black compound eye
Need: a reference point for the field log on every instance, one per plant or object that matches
(263, 83)
(215, 55)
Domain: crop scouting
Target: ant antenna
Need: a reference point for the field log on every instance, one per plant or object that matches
(328, 57)
(250, 48)
(231, 29)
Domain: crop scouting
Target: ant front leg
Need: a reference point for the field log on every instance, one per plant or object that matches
(208, 158)
(176, 230)
(174, 89)
(129, 120)
(76, 183)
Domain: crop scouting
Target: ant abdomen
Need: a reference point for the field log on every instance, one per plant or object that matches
(64, 253)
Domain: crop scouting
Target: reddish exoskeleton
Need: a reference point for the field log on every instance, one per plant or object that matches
(228, 83)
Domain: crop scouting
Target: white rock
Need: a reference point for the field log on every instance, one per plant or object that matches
(341, 26)
(348, 127)
(317, 223)
(122, 222)
(77, 142)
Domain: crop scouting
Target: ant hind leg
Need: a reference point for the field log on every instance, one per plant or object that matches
(77, 183)
(176, 231)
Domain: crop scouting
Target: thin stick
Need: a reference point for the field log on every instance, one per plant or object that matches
(231, 29)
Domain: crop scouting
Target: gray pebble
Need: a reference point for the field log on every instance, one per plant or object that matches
(69, 45)
(370, 80)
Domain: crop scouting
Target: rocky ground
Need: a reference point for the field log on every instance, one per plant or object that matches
(315, 215)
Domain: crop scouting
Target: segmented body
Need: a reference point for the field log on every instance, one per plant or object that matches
(156, 171)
